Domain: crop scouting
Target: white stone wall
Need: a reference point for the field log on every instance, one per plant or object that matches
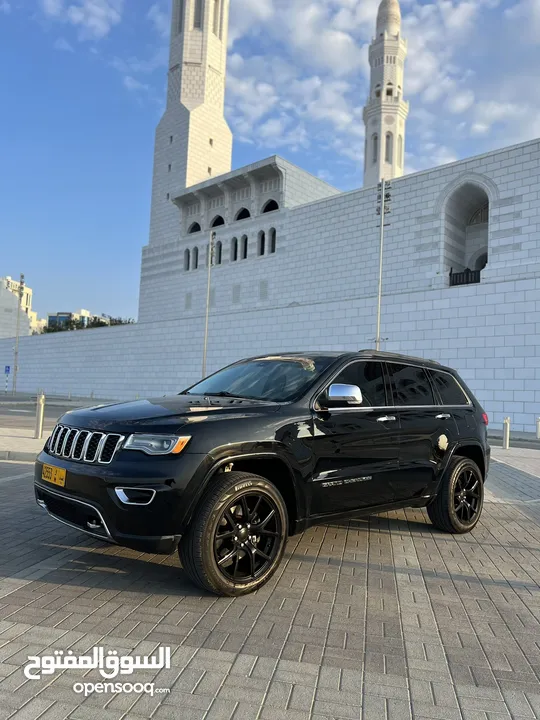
(319, 291)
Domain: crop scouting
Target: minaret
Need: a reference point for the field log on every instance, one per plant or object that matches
(385, 112)
(193, 141)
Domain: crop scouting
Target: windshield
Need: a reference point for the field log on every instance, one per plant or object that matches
(275, 378)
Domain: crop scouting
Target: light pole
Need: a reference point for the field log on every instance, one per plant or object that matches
(20, 295)
(383, 208)
(210, 263)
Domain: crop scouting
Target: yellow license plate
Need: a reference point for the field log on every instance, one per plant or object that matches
(54, 475)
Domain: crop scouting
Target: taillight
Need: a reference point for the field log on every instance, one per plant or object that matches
(485, 418)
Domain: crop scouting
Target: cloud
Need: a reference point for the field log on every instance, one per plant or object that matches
(5, 7)
(160, 19)
(134, 85)
(526, 14)
(93, 18)
(62, 44)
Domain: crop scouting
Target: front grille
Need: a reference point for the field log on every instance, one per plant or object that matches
(84, 445)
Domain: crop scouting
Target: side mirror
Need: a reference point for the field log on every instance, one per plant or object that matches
(339, 394)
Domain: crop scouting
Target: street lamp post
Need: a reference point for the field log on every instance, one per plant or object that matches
(20, 295)
(210, 263)
(383, 208)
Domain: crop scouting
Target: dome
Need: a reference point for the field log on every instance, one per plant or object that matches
(388, 17)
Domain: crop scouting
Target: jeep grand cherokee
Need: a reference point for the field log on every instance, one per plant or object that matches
(262, 449)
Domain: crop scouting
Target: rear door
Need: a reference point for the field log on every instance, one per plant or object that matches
(355, 450)
(425, 429)
(454, 401)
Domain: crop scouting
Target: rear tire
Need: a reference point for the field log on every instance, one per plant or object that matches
(459, 502)
(237, 538)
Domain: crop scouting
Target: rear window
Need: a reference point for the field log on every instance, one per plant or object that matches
(448, 388)
(410, 385)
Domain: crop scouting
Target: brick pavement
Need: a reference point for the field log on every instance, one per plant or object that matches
(377, 618)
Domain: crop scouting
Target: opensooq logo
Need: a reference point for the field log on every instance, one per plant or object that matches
(109, 665)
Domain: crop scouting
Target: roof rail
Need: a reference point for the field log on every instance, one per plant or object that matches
(384, 353)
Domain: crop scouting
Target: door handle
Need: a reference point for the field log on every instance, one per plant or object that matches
(443, 416)
(386, 418)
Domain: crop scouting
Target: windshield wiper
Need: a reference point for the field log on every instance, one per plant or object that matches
(225, 393)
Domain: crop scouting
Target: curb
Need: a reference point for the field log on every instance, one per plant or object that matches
(18, 456)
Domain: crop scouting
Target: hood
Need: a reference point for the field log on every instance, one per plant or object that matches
(163, 414)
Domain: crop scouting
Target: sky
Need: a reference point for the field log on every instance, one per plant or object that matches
(83, 85)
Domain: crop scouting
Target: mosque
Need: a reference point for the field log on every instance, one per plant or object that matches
(295, 262)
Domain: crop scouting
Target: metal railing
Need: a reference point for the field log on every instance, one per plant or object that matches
(467, 277)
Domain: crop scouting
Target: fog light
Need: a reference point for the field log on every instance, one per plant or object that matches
(135, 496)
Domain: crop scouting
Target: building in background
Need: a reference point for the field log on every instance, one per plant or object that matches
(75, 320)
(9, 297)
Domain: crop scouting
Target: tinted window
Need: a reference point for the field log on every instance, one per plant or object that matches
(449, 390)
(410, 385)
(275, 378)
(368, 376)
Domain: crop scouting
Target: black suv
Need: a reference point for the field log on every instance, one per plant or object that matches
(264, 448)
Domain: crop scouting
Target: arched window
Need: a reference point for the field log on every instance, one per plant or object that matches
(378, 91)
(194, 227)
(389, 90)
(243, 214)
(270, 206)
(261, 243)
(186, 259)
(272, 234)
(389, 148)
(234, 249)
(217, 221)
(400, 150)
(216, 17)
(219, 253)
(198, 15)
(480, 216)
(195, 258)
(375, 147)
(244, 247)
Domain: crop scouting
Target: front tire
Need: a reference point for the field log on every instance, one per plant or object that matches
(237, 537)
(459, 502)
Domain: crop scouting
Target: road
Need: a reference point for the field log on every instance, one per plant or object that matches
(22, 415)
(383, 618)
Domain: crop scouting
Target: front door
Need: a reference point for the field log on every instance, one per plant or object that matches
(355, 450)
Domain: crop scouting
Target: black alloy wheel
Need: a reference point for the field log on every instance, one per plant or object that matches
(247, 537)
(467, 496)
(237, 536)
(459, 502)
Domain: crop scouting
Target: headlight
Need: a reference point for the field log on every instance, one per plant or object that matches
(157, 444)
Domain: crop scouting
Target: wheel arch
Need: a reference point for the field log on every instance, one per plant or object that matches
(268, 465)
(472, 450)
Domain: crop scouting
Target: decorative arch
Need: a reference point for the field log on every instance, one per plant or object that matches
(234, 249)
(378, 90)
(270, 206)
(219, 252)
(272, 236)
(389, 148)
(243, 247)
(261, 242)
(193, 228)
(400, 151)
(243, 214)
(389, 89)
(464, 207)
(187, 257)
(217, 221)
(195, 256)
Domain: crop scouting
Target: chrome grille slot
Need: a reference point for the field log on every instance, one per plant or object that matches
(93, 446)
(79, 444)
(84, 445)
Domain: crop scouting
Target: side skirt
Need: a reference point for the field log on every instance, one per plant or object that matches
(306, 523)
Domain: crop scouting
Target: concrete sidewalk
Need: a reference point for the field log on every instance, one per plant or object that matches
(19, 444)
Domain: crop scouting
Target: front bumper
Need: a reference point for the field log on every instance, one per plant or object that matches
(89, 502)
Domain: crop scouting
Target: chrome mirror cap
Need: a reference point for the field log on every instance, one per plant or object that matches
(345, 394)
